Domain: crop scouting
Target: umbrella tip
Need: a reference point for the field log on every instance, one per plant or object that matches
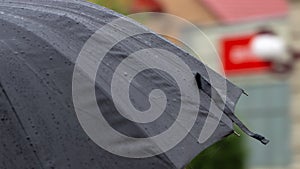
(265, 141)
(262, 139)
(244, 92)
(237, 134)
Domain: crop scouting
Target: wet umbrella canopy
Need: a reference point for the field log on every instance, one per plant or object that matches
(83, 87)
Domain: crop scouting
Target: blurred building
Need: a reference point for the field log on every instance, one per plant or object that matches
(272, 107)
(294, 23)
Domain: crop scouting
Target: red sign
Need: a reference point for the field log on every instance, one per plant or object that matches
(237, 56)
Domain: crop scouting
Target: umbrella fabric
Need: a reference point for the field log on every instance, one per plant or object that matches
(40, 42)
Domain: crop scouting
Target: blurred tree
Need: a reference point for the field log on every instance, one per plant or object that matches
(121, 6)
(229, 153)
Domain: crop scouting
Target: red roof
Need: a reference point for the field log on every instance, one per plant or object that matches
(231, 11)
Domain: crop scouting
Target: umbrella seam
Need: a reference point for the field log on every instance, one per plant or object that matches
(20, 121)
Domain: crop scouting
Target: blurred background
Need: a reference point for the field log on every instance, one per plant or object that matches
(258, 42)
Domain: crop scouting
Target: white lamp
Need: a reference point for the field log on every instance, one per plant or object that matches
(268, 47)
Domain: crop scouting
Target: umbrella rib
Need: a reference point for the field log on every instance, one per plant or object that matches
(201, 82)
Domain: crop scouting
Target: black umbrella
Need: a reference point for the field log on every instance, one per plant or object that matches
(65, 103)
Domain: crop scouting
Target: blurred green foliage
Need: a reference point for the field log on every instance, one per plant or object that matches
(121, 6)
(230, 153)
